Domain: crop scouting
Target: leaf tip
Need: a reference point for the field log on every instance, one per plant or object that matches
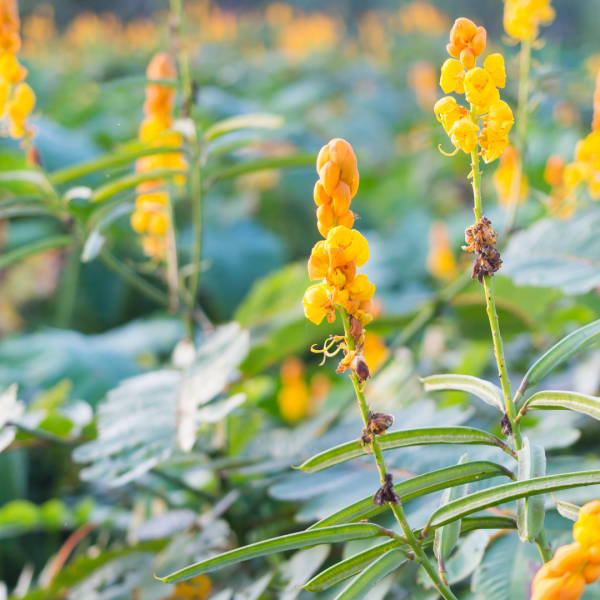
(163, 579)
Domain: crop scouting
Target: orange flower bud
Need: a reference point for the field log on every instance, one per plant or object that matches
(548, 589)
(354, 185)
(320, 195)
(574, 587)
(323, 157)
(325, 215)
(467, 58)
(347, 219)
(352, 306)
(452, 51)
(348, 167)
(162, 66)
(594, 553)
(330, 175)
(591, 572)
(338, 149)
(349, 270)
(478, 44)
(367, 306)
(323, 230)
(570, 557)
(341, 199)
(463, 31)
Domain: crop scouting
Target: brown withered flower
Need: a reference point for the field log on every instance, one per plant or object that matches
(386, 493)
(379, 422)
(360, 367)
(366, 439)
(505, 425)
(480, 235)
(486, 264)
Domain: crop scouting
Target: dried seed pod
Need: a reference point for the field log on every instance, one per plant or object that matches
(360, 367)
(386, 493)
(379, 422)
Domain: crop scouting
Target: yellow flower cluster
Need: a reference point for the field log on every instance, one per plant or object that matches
(522, 18)
(575, 565)
(17, 99)
(503, 176)
(335, 259)
(293, 397)
(480, 86)
(151, 217)
(585, 167)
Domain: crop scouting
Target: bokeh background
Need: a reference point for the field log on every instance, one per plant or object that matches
(364, 71)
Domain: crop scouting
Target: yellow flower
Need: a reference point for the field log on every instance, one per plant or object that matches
(10, 40)
(573, 173)
(361, 288)
(522, 18)
(375, 351)
(499, 119)
(464, 134)
(480, 89)
(10, 69)
(441, 262)
(492, 145)
(588, 150)
(19, 108)
(316, 302)
(503, 176)
(293, 396)
(198, 588)
(448, 112)
(453, 77)
(494, 65)
(318, 263)
(352, 244)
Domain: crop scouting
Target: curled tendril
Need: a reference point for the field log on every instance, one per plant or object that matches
(446, 153)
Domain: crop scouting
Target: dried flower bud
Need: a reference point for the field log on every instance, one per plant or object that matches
(505, 425)
(386, 493)
(487, 263)
(360, 367)
(379, 422)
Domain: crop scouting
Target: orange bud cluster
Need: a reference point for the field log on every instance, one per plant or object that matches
(335, 259)
(151, 217)
(17, 99)
(337, 185)
(574, 566)
(480, 86)
(467, 42)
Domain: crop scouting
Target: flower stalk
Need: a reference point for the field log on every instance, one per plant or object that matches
(420, 556)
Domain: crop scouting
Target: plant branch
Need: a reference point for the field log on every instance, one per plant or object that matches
(420, 556)
(515, 184)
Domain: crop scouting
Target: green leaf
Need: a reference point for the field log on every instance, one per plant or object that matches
(485, 390)
(556, 253)
(568, 509)
(446, 537)
(93, 246)
(418, 486)
(35, 177)
(29, 209)
(566, 348)
(56, 241)
(351, 566)
(507, 492)
(262, 164)
(106, 162)
(254, 121)
(552, 400)
(303, 539)
(372, 575)
(128, 181)
(401, 439)
(357, 563)
(531, 511)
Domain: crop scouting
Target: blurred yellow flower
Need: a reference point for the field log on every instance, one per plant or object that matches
(375, 351)
(441, 262)
(293, 397)
(522, 18)
(503, 177)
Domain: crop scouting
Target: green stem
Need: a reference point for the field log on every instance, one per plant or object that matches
(544, 546)
(196, 192)
(515, 184)
(68, 288)
(496, 335)
(397, 509)
(139, 283)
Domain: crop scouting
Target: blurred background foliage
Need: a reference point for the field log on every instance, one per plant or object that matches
(99, 446)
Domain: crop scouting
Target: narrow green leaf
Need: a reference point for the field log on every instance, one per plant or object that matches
(107, 161)
(531, 511)
(373, 574)
(357, 563)
(566, 348)
(485, 390)
(294, 541)
(351, 566)
(446, 537)
(416, 487)
(93, 246)
(568, 509)
(401, 439)
(552, 400)
(262, 164)
(57, 241)
(255, 121)
(507, 492)
(35, 177)
(26, 210)
(128, 181)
